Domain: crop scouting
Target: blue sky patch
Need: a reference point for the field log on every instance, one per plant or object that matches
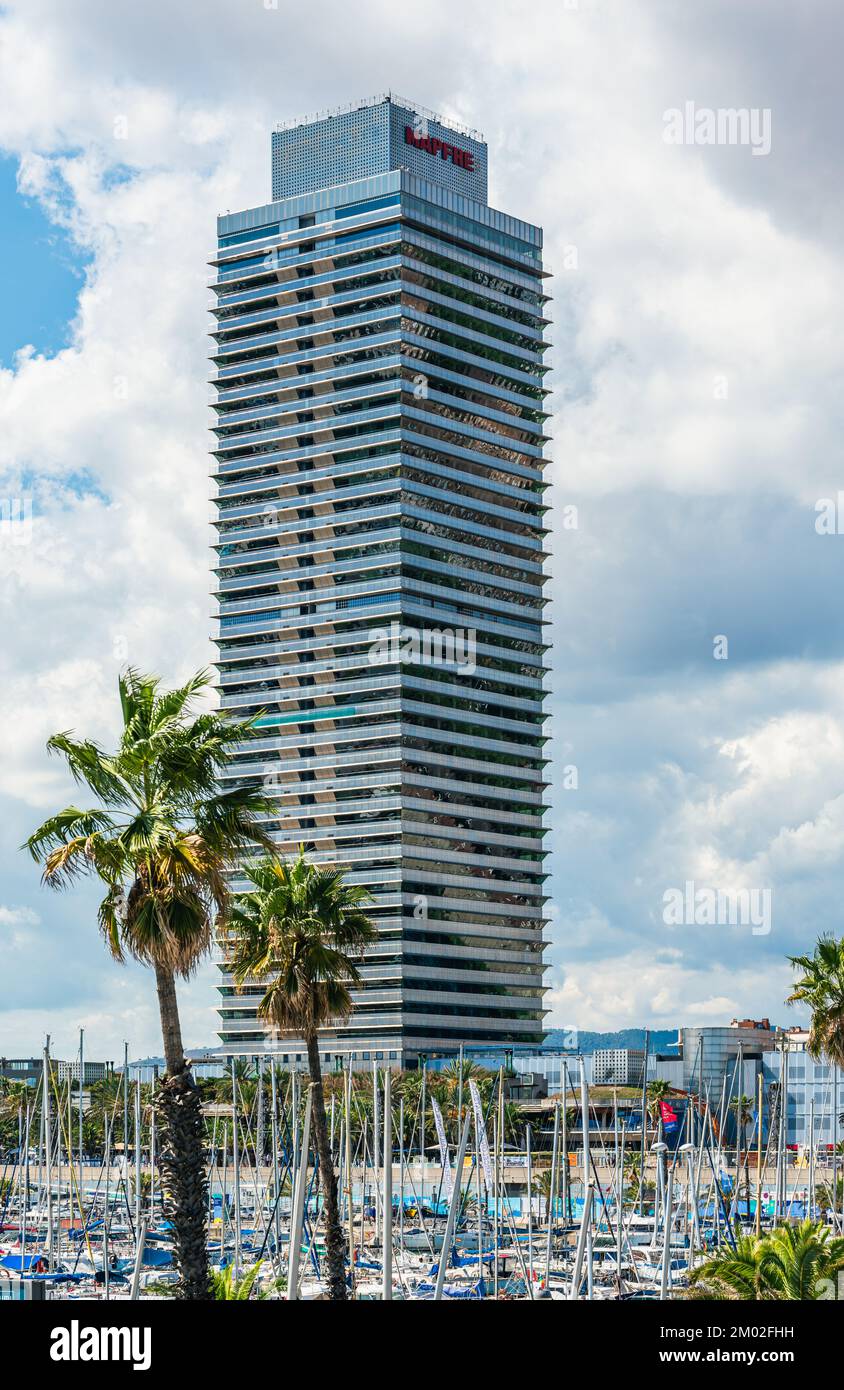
(41, 274)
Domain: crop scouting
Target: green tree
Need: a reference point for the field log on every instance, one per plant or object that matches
(545, 1188)
(470, 1071)
(246, 1081)
(13, 1101)
(640, 1185)
(227, 1289)
(791, 1263)
(657, 1091)
(160, 838)
(830, 1194)
(301, 929)
(821, 987)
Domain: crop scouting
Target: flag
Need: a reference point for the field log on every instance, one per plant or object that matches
(480, 1131)
(668, 1116)
(444, 1158)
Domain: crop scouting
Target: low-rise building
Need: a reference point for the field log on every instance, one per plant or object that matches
(712, 1056)
(814, 1096)
(94, 1071)
(31, 1069)
(205, 1063)
(26, 1069)
(618, 1066)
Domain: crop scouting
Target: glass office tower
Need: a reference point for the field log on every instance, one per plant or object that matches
(379, 367)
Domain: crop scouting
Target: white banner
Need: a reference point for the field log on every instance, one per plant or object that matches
(480, 1131)
(444, 1158)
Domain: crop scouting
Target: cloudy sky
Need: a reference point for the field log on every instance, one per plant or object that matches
(699, 294)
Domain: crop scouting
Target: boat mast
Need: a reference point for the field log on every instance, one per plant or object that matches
(299, 1204)
(387, 1251)
(126, 1117)
(81, 1084)
(760, 1095)
(236, 1162)
(456, 1190)
(48, 1156)
(552, 1188)
(584, 1102)
(644, 1123)
(350, 1214)
(106, 1162)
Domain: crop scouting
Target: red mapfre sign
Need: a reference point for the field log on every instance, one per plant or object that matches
(462, 158)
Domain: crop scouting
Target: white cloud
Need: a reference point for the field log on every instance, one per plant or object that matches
(625, 992)
(17, 927)
(695, 512)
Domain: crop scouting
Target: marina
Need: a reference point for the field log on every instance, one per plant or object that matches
(465, 1196)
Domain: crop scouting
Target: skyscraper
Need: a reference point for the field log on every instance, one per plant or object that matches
(379, 366)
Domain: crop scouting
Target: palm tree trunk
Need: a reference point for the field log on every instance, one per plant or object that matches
(171, 1028)
(181, 1150)
(335, 1241)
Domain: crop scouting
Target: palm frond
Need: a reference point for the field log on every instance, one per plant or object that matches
(90, 766)
(164, 835)
(69, 824)
(820, 986)
(230, 819)
(299, 928)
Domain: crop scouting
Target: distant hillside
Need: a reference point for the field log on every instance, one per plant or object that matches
(661, 1039)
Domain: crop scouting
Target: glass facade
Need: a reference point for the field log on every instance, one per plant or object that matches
(814, 1092)
(379, 359)
(370, 137)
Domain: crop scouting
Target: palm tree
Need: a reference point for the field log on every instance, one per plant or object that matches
(641, 1185)
(160, 838)
(14, 1096)
(829, 1195)
(514, 1123)
(13, 1090)
(791, 1263)
(743, 1108)
(227, 1289)
(656, 1093)
(544, 1187)
(246, 1081)
(301, 929)
(456, 1074)
(821, 986)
